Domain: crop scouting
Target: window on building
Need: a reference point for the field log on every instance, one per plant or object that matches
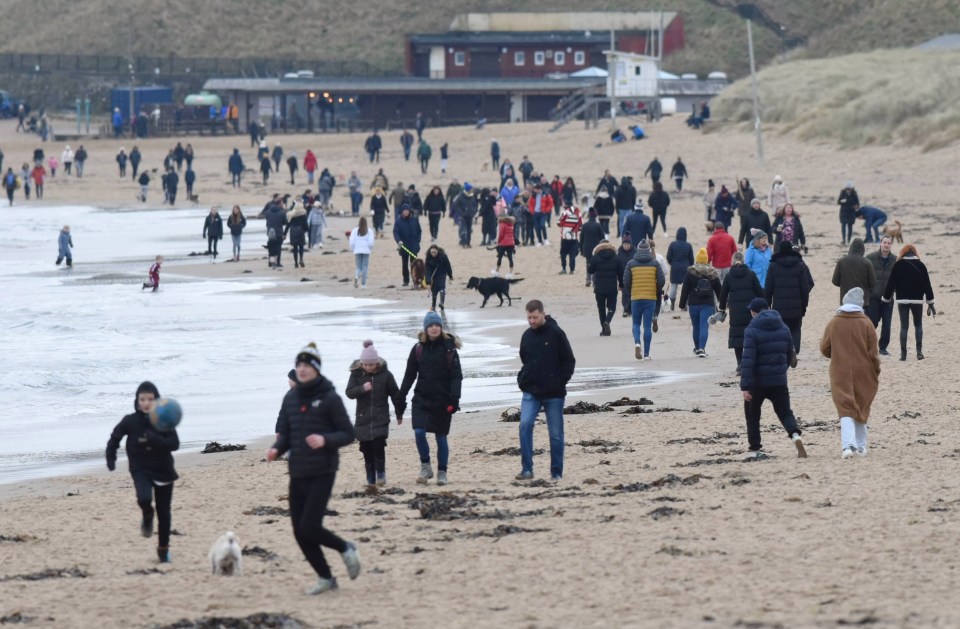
(559, 58)
(460, 58)
(539, 58)
(519, 58)
(579, 58)
(636, 70)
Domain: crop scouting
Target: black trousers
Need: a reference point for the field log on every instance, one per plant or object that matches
(438, 289)
(405, 263)
(147, 493)
(374, 458)
(660, 215)
(606, 307)
(905, 311)
(881, 315)
(568, 251)
(794, 325)
(434, 224)
(780, 397)
(308, 505)
(212, 245)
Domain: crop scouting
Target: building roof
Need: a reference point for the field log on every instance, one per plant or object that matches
(950, 41)
(498, 38)
(562, 21)
(401, 85)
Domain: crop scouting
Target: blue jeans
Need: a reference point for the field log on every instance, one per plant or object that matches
(355, 199)
(362, 264)
(553, 407)
(423, 447)
(873, 229)
(642, 310)
(539, 226)
(699, 317)
(621, 219)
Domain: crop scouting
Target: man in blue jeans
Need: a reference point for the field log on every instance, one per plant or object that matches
(548, 365)
(643, 282)
(873, 218)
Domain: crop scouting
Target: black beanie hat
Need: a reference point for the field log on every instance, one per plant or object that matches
(310, 355)
(785, 246)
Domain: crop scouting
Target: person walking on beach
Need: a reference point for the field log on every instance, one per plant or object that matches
(213, 231)
(607, 269)
(720, 249)
(235, 166)
(150, 461)
(725, 206)
(465, 207)
(591, 235)
(654, 169)
(625, 253)
(659, 201)
(853, 270)
(39, 175)
(144, 182)
(638, 224)
(361, 244)
(787, 288)
(67, 158)
(378, 206)
(849, 202)
(80, 159)
(740, 287)
(64, 245)
(879, 311)
(506, 243)
(678, 172)
(293, 166)
(569, 223)
(236, 222)
(277, 157)
(758, 256)
(135, 158)
(310, 165)
(122, 159)
(316, 221)
(406, 142)
(354, 186)
(189, 178)
(850, 342)
(265, 168)
(680, 257)
(787, 226)
(910, 283)
(744, 200)
(407, 235)
(434, 365)
(10, 184)
(643, 281)
(444, 155)
(626, 198)
(540, 207)
(779, 195)
(494, 155)
(312, 426)
(767, 354)
(373, 387)
(604, 206)
(700, 285)
(437, 269)
(548, 364)
(297, 228)
(423, 156)
(276, 220)
(153, 275)
(754, 221)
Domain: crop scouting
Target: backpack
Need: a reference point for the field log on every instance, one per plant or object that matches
(703, 289)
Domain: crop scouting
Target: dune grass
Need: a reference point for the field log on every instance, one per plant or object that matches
(879, 98)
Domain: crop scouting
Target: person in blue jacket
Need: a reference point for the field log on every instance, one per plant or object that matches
(679, 257)
(874, 218)
(235, 165)
(758, 256)
(638, 224)
(407, 234)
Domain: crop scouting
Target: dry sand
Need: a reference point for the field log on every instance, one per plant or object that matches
(780, 542)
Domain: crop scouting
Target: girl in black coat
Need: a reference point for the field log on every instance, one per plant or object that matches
(213, 231)
(739, 288)
(435, 366)
(373, 387)
(437, 269)
(151, 464)
(607, 268)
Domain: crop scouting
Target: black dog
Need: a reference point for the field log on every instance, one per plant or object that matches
(489, 286)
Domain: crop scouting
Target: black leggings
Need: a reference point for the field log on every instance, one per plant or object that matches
(434, 224)
(147, 491)
(308, 505)
(606, 307)
(905, 311)
(212, 245)
(374, 458)
(662, 215)
(505, 251)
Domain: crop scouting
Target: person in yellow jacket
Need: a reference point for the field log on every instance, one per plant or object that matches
(643, 282)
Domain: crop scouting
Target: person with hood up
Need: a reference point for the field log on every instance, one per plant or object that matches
(276, 219)
(787, 288)
(378, 207)
(150, 460)
(312, 426)
(406, 143)
(744, 198)
(397, 197)
(569, 223)
(607, 269)
(297, 227)
(407, 234)
(654, 169)
(265, 168)
(678, 172)
(659, 201)
(494, 154)
(626, 198)
(779, 194)
(412, 198)
(506, 242)
(235, 166)
(213, 231)
(293, 165)
(680, 258)
(64, 245)
(361, 244)
(465, 206)
(625, 253)
(850, 342)
(724, 207)
(66, 157)
(435, 206)
(787, 226)
(604, 206)
(720, 249)
(591, 234)
(755, 220)
(373, 387)
(437, 269)
(643, 282)
(700, 286)
(767, 354)
(853, 270)
(740, 287)
(849, 202)
(548, 364)
(310, 165)
(316, 221)
(910, 283)
(758, 256)
(435, 366)
(638, 224)
(325, 185)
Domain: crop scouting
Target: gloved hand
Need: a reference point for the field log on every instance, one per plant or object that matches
(931, 311)
(453, 406)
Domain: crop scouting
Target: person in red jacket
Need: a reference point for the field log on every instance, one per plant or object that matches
(310, 165)
(154, 275)
(506, 243)
(720, 249)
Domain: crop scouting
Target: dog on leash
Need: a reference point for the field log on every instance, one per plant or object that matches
(418, 273)
(490, 286)
(225, 555)
(894, 232)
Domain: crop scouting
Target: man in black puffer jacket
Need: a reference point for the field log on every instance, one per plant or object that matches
(763, 373)
(312, 426)
(740, 287)
(789, 283)
(626, 198)
(548, 365)
(607, 268)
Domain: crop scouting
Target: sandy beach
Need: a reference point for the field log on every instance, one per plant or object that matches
(659, 521)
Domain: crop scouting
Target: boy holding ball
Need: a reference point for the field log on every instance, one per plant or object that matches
(151, 464)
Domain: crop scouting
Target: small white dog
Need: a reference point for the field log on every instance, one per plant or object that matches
(225, 555)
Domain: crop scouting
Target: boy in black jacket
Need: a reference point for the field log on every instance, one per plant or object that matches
(313, 425)
(151, 464)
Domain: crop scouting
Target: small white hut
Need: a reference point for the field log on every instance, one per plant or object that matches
(631, 75)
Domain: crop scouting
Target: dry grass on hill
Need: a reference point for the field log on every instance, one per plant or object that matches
(879, 98)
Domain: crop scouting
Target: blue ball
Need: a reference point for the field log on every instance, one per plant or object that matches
(166, 414)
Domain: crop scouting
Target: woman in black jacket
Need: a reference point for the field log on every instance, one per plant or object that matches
(848, 201)
(312, 426)
(378, 205)
(788, 288)
(435, 206)
(435, 366)
(659, 201)
(607, 268)
(910, 282)
(604, 206)
(739, 288)
(297, 228)
(437, 269)
(488, 216)
(151, 464)
(213, 231)
(236, 222)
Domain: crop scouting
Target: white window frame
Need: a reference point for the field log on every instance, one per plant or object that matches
(579, 58)
(519, 58)
(539, 58)
(460, 58)
(559, 58)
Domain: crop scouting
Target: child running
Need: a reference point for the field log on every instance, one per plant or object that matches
(154, 276)
(151, 464)
(373, 387)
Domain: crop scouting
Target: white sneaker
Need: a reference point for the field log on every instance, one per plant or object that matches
(638, 351)
(351, 559)
(494, 273)
(509, 276)
(539, 244)
(861, 452)
(323, 585)
(848, 452)
(798, 442)
(546, 243)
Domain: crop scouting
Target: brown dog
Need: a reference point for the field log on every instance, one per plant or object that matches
(894, 232)
(417, 273)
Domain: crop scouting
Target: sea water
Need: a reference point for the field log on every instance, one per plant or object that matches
(77, 342)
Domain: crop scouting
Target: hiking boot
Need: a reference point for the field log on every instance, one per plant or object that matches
(638, 351)
(848, 452)
(903, 354)
(798, 442)
(163, 554)
(323, 585)
(351, 559)
(605, 329)
(655, 326)
(919, 355)
(525, 475)
(426, 473)
(146, 525)
(441, 477)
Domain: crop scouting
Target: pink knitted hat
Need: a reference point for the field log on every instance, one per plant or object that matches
(369, 354)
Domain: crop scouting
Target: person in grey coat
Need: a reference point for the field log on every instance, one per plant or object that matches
(66, 243)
